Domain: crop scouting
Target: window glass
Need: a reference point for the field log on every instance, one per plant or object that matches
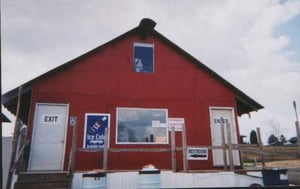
(140, 125)
(143, 57)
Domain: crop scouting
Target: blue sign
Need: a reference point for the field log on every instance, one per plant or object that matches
(95, 125)
(143, 57)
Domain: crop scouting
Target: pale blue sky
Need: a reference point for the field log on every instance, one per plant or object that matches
(292, 29)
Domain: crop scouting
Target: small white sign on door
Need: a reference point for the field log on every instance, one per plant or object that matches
(50, 118)
(220, 120)
(73, 121)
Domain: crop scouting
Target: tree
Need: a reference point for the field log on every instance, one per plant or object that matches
(273, 140)
(293, 140)
(253, 137)
(275, 126)
(282, 139)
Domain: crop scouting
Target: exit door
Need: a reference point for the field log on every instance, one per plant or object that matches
(217, 115)
(48, 137)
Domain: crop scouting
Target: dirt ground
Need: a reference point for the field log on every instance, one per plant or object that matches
(288, 164)
(293, 167)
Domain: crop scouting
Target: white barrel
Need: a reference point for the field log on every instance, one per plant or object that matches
(149, 179)
(94, 181)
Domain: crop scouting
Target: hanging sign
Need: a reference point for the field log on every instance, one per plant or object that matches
(177, 123)
(197, 153)
(94, 130)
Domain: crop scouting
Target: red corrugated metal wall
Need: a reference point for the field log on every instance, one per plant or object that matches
(105, 80)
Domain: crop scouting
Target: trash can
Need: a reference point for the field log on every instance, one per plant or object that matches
(272, 177)
(94, 181)
(149, 177)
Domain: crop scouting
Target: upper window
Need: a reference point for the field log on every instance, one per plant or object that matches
(140, 126)
(143, 57)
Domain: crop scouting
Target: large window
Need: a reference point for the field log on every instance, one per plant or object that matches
(143, 57)
(142, 126)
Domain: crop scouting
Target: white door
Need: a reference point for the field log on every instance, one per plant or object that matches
(227, 114)
(48, 137)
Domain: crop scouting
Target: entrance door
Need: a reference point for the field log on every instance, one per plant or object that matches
(227, 115)
(48, 137)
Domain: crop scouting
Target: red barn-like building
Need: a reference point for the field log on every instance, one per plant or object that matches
(137, 84)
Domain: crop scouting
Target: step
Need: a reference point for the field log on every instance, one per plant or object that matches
(44, 185)
(37, 176)
(42, 177)
(42, 180)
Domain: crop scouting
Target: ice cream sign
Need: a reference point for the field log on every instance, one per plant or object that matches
(94, 130)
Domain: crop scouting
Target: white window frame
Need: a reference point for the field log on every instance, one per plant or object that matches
(143, 45)
(148, 143)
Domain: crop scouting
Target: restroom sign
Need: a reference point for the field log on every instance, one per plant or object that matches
(50, 119)
(197, 153)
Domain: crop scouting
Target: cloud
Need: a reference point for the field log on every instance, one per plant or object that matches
(234, 38)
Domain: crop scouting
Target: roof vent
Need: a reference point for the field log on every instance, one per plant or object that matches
(146, 25)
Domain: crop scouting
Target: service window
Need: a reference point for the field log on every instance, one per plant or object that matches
(143, 57)
(142, 126)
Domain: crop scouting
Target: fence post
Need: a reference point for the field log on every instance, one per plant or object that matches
(105, 150)
(298, 135)
(184, 148)
(263, 162)
(230, 153)
(72, 159)
(173, 149)
(223, 146)
(15, 140)
(22, 146)
(297, 126)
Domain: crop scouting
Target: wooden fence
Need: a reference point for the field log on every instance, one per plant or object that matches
(227, 147)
